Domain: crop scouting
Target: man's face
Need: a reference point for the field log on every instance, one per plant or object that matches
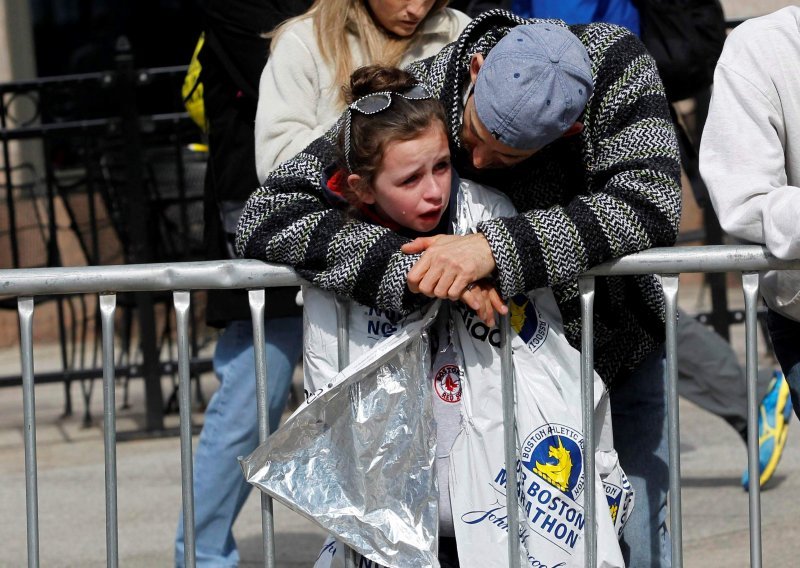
(484, 150)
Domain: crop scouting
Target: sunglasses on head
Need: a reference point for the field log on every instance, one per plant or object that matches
(375, 103)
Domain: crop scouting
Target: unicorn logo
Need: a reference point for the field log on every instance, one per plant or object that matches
(517, 313)
(614, 499)
(613, 508)
(525, 321)
(553, 452)
(558, 473)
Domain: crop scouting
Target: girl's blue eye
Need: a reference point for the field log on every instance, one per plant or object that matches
(410, 180)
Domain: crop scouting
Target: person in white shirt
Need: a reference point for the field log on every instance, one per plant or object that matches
(750, 161)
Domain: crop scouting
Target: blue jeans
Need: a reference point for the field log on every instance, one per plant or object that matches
(785, 336)
(639, 419)
(230, 430)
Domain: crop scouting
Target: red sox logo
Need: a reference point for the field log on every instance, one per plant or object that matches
(448, 383)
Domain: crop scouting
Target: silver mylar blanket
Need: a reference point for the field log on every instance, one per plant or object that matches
(358, 457)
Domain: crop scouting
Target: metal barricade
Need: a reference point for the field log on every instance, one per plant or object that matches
(107, 282)
(255, 276)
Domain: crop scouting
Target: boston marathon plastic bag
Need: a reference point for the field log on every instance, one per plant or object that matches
(550, 471)
(357, 457)
(307, 464)
(366, 326)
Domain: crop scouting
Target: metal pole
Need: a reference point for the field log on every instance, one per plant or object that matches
(670, 284)
(182, 300)
(10, 207)
(750, 288)
(25, 308)
(108, 305)
(257, 304)
(343, 346)
(720, 318)
(586, 287)
(54, 259)
(509, 439)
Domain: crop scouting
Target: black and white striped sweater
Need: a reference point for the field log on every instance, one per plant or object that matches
(611, 191)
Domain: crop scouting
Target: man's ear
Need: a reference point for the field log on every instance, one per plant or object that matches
(576, 128)
(475, 63)
(354, 182)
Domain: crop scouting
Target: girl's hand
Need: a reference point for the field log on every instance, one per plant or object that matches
(482, 297)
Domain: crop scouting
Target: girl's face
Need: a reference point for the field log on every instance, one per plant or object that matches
(412, 185)
(400, 17)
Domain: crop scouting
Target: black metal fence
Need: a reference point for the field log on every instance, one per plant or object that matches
(110, 159)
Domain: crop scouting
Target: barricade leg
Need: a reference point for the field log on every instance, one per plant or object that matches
(586, 288)
(182, 300)
(670, 284)
(509, 439)
(108, 306)
(25, 309)
(257, 300)
(750, 288)
(343, 345)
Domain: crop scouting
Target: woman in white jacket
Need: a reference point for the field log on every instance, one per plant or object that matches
(313, 55)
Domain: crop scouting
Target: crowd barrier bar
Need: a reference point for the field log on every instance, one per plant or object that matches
(586, 291)
(343, 354)
(255, 276)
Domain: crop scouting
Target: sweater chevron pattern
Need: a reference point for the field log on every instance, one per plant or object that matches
(610, 191)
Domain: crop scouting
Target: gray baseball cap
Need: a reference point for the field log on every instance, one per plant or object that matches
(533, 85)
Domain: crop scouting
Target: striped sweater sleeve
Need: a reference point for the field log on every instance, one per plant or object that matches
(632, 166)
(288, 221)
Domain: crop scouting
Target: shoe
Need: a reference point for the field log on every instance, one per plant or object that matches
(773, 427)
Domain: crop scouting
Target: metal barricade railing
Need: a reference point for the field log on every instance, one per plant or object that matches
(748, 260)
(255, 276)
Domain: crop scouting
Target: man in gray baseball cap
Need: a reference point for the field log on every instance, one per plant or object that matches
(533, 126)
(530, 90)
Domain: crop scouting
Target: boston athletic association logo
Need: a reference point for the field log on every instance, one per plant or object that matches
(553, 452)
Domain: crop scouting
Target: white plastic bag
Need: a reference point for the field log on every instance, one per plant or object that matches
(550, 471)
(548, 397)
(366, 327)
(332, 556)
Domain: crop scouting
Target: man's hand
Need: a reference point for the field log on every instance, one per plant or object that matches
(449, 264)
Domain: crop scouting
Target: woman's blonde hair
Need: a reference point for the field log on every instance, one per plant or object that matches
(333, 19)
